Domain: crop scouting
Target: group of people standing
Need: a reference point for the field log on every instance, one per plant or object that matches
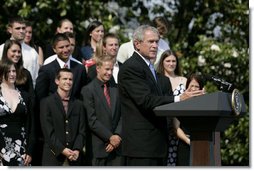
(83, 107)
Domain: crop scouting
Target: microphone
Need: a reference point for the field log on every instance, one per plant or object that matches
(221, 83)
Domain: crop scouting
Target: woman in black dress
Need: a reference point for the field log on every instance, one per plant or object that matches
(16, 140)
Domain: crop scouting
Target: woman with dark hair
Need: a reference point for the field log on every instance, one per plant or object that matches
(94, 33)
(16, 120)
(12, 52)
(195, 82)
(169, 66)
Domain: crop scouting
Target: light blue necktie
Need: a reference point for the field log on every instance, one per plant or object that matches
(153, 71)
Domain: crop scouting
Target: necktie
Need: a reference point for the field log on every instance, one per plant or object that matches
(106, 94)
(65, 104)
(66, 66)
(152, 70)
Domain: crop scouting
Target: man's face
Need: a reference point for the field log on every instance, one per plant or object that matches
(149, 46)
(104, 72)
(111, 47)
(63, 50)
(17, 31)
(65, 81)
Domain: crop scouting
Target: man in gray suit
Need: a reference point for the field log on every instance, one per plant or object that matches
(63, 124)
(100, 98)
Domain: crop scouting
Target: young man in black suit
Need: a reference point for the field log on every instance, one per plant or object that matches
(63, 124)
(45, 82)
(144, 138)
(100, 98)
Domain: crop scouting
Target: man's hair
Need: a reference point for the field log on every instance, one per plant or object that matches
(16, 20)
(140, 31)
(104, 58)
(109, 35)
(59, 37)
(58, 74)
(70, 35)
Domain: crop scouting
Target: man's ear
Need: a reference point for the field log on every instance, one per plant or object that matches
(9, 29)
(97, 68)
(136, 44)
(58, 30)
(57, 81)
(54, 49)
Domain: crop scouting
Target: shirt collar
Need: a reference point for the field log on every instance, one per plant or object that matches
(102, 83)
(147, 61)
(62, 63)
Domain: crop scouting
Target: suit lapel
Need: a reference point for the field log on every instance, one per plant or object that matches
(70, 107)
(59, 103)
(148, 71)
(113, 93)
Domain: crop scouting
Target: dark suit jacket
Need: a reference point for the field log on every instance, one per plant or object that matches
(61, 130)
(103, 121)
(144, 134)
(45, 82)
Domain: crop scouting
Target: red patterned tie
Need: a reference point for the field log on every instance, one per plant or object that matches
(66, 66)
(106, 94)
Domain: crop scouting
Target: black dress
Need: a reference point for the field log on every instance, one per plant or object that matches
(13, 139)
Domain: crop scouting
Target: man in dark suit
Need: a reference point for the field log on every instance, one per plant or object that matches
(144, 137)
(100, 98)
(63, 124)
(45, 82)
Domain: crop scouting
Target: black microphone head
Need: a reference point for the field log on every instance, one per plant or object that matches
(220, 83)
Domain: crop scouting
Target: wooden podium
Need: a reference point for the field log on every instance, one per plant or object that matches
(205, 117)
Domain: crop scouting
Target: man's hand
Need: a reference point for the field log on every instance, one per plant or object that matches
(109, 148)
(115, 140)
(188, 94)
(71, 155)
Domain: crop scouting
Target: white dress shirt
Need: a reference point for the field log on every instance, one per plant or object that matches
(53, 57)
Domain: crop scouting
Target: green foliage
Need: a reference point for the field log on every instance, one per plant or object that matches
(235, 146)
(225, 55)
